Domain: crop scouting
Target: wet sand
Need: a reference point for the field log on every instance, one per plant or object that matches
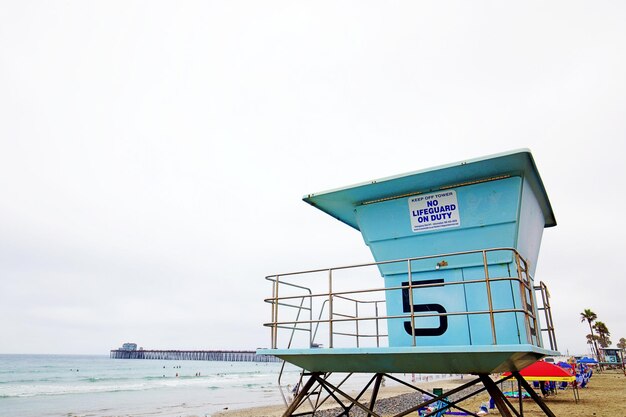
(605, 396)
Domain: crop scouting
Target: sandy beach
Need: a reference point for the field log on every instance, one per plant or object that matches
(603, 397)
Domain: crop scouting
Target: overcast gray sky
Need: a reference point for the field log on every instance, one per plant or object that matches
(153, 154)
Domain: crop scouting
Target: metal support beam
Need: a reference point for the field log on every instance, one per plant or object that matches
(377, 383)
(426, 403)
(301, 396)
(533, 394)
(496, 394)
(332, 389)
(346, 402)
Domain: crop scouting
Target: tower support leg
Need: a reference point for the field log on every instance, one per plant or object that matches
(377, 383)
(533, 394)
(498, 398)
(302, 395)
(502, 403)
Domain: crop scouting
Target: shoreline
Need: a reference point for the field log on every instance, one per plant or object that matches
(387, 393)
(603, 397)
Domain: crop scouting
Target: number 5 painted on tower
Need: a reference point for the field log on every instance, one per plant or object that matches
(421, 308)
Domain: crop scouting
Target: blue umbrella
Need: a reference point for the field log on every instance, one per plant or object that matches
(586, 360)
(564, 365)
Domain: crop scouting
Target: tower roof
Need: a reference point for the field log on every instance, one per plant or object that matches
(340, 203)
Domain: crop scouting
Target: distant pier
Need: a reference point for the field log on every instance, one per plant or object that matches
(194, 355)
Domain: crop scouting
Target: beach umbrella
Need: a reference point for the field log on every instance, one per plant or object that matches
(564, 365)
(587, 360)
(544, 371)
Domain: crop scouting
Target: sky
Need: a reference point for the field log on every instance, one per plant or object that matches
(154, 154)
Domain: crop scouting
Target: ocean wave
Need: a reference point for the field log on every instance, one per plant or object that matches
(104, 386)
(29, 379)
(37, 391)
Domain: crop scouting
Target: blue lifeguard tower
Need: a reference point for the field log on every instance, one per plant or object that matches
(456, 247)
(613, 358)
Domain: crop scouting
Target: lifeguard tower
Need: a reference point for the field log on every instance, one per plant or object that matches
(613, 358)
(451, 290)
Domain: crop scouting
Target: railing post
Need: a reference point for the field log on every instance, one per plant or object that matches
(311, 335)
(330, 307)
(410, 275)
(275, 315)
(522, 276)
(377, 329)
(489, 299)
(356, 315)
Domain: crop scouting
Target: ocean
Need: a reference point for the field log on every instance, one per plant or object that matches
(97, 386)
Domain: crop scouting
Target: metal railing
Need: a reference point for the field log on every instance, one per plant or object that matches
(293, 301)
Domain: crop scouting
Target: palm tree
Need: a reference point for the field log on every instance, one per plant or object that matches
(590, 340)
(621, 345)
(603, 334)
(589, 316)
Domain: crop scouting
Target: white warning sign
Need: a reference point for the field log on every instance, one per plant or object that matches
(433, 211)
